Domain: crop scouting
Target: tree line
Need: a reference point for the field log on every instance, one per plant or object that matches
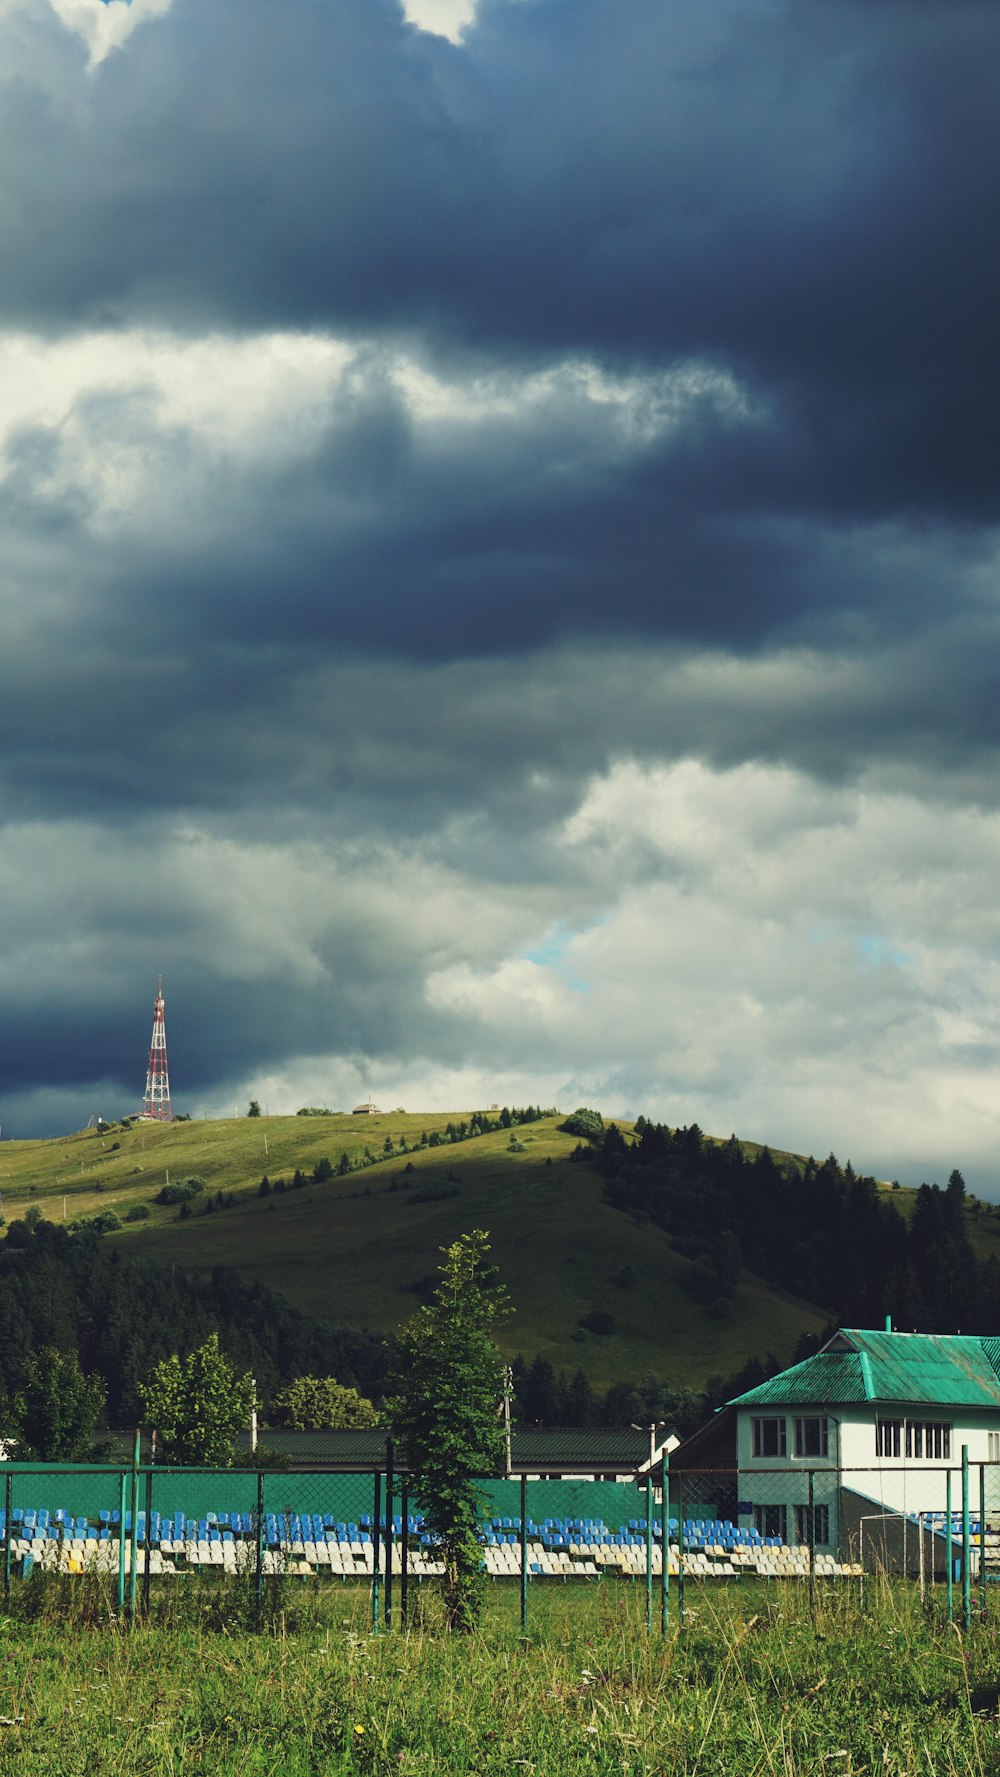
(820, 1230)
(121, 1316)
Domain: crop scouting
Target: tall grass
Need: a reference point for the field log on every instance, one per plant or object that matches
(753, 1684)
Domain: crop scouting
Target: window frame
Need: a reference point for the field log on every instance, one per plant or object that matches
(780, 1424)
(819, 1420)
(888, 1439)
(821, 1522)
(760, 1519)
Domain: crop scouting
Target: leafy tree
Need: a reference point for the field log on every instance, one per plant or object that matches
(586, 1123)
(254, 1108)
(447, 1415)
(179, 1190)
(320, 1403)
(198, 1404)
(56, 1408)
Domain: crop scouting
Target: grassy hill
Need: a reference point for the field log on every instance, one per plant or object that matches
(352, 1249)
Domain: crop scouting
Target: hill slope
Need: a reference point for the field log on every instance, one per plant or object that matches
(351, 1249)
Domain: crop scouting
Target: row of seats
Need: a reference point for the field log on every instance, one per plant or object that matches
(311, 1542)
(308, 1559)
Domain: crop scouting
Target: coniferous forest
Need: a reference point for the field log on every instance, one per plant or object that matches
(824, 1232)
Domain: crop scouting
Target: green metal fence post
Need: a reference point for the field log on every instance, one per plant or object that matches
(950, 1577)
(8, 1496)
(665, 1548)
(812, 1546)
(376, 1574)
(649, 1552)
(404, 1570)
(122, 1509)
(390, 1488)
(149, 1519)
(966, 1550)
(680, 1551)
(524, 1551)
(982, 1537)
(259, 1575)
(133, 1541)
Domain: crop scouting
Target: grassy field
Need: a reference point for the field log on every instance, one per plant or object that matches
(751, 1686)
(351, 1250)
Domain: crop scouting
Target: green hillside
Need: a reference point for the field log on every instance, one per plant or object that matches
(352, 1249)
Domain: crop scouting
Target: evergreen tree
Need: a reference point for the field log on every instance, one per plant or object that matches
(447, 1418)
(55, 1409)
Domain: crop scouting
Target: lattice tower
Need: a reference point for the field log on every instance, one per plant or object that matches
(157, 1100)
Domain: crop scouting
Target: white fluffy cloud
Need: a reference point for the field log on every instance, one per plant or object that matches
(143, 422)
(807, 964)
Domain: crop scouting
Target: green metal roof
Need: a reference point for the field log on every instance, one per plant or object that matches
(939, 1369)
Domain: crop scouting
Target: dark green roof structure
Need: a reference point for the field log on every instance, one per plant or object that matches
(940, 1369)
(597, 1451)
(602, 1450)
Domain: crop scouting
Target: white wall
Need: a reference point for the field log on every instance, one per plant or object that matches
(896, 1484)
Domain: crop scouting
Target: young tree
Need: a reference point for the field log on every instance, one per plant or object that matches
(55, 1409)
(320, 1403)
(254, 1108)
(198, 1404)
(448, 1417)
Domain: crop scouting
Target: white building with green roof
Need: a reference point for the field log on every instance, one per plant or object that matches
(864, 1432)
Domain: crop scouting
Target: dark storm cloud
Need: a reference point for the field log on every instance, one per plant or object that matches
(803, 195)
(306, 724)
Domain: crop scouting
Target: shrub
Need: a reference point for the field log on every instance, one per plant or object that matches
(598, 1321)
(107, 1222)
(181, 1190)
(138, 1213)
(720, 1309)
(589, 1124)
(435, 1194)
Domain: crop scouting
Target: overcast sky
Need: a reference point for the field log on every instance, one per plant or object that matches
(498, 585)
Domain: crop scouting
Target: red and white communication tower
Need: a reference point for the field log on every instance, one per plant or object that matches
(157, 1100)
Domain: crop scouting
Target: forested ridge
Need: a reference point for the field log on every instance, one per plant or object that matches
(821, 1231)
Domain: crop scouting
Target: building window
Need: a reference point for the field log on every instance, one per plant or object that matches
(770, 1437)
(771, 1521)
(994, 1446)
(928, 1437)
(888, 1437)
(812, 1437)
(820, 1523)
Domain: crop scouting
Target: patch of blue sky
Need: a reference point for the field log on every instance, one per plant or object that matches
(552, 952)
(874, 950)
(879, 952)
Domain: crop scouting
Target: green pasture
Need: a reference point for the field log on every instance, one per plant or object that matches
(356, 1250)
(753, 1684)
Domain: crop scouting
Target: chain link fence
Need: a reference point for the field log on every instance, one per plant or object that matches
(142, 1526)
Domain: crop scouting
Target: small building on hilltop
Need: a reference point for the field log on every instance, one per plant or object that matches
(855, 1444)
(368, 1109)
